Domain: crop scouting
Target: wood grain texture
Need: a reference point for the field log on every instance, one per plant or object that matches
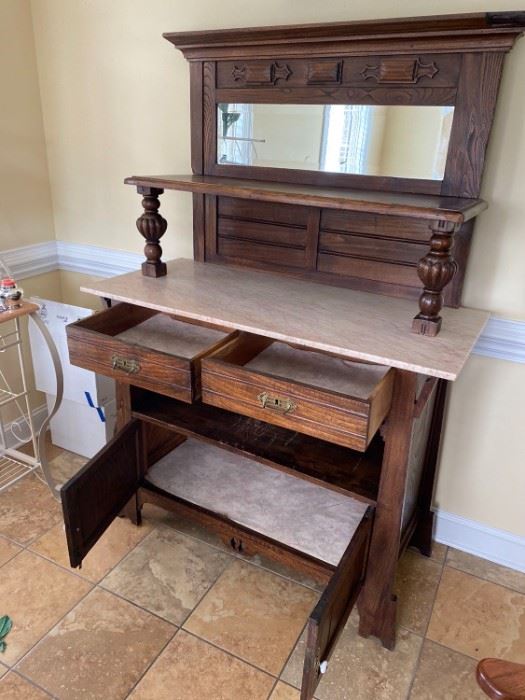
(501, 680)
(94, 343)
(419, 206)
(241, 539)
(329, 616)
(377, 603)
(474, 113)
(329, 415)
(24, 309)
(306, 457)
(460, 31)
(99, 491)
(352, 71)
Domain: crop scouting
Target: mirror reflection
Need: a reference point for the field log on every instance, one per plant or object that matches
(396, 141)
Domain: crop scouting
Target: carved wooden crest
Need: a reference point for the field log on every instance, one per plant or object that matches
(400, 70)
(261, 73)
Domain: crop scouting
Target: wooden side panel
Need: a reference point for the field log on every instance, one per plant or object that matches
(334, 607)
(93, 498)
(474, 113)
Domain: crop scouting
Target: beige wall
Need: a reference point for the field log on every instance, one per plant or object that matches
(25, 198)
(26, 214)
(115, 102)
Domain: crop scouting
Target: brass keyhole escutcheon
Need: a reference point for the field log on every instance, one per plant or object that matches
(125, 364)
(237, 544)
(276, 403)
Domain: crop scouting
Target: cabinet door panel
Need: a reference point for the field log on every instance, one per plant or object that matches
(94, 497)
(334, 607)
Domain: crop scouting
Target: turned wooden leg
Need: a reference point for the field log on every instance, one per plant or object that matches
(152, 226)
(435, 270)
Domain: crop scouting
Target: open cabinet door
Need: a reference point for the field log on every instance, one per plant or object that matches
(329, 616)
(93, 498)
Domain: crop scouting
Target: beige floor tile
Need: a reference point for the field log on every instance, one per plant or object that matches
(3, 670)
(361, 669)
(283, 691)
(284, 570)
(35, 593)
(486, 569)
(12, 687)
(7, 550)
(120, 538)
(27, 510)
(191, 669)
(52, 451)
(168, 573)
(254, 614)
(416, 584)
(444, 674)
(98, 651)
(439, 551)
(478, 618)
(157, 515)
(65, 465)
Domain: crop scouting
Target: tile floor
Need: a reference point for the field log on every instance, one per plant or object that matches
(166, 612)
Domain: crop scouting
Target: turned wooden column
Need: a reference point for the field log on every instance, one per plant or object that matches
(152, 226)
(435, 270)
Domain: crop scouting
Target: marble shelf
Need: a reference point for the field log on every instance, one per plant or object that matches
(352, 324)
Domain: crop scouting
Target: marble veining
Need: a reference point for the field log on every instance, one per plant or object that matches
(353, 324)
(310, 518)
(333, 373)
(166, 334)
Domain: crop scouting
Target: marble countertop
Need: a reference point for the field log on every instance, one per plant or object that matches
(355, 325)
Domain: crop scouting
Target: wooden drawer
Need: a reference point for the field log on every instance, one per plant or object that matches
(248, 503)
(327, 397)
(145, 348)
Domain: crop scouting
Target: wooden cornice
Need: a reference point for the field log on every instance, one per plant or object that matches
(473, 31)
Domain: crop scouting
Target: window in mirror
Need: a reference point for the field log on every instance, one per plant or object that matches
(408, 141)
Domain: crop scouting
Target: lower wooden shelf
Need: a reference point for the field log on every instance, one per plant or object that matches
(340, 468)
(312, 519)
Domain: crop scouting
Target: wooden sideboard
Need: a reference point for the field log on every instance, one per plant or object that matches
(280, 373)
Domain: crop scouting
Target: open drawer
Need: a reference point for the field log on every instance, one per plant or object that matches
(242, 499)
(144, 347)
(337, 400)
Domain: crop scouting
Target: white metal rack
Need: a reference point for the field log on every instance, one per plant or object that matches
(14, 464)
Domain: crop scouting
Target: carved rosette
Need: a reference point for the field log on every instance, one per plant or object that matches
(152, 226)
(435, 270)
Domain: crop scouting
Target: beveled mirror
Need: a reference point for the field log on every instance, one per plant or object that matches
(408, 141)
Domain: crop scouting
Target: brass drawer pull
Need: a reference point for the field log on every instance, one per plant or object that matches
(128, 366)
(277, 404)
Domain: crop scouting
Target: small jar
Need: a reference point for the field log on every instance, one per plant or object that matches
(10, 294)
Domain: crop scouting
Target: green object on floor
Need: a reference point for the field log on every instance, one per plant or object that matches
(5, 627)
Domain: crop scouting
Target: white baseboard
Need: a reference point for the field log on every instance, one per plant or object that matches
(18, 428)
(93, 260)
(31, 260)
(498, 546)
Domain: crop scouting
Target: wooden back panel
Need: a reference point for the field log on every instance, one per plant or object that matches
(351, 249)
